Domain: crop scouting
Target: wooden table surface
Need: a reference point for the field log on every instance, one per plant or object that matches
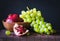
(33, 37)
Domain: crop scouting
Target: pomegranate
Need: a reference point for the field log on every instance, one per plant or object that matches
(9, 20)
(15, 17)
(19, 30)
(10, 16)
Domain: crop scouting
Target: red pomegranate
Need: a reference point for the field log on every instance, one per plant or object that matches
(19, 30)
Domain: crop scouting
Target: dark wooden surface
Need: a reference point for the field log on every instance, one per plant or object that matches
(33, 37)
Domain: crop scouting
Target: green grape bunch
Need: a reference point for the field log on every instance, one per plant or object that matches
(34, 17)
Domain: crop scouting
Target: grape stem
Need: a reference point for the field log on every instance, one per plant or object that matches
(28, 8)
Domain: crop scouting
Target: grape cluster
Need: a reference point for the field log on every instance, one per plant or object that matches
(36, 21)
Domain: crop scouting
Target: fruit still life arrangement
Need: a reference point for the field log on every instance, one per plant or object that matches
(22, 24)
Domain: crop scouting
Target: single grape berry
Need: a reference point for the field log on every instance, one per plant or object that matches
(8, 32)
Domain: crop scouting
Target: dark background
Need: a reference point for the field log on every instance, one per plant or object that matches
(50, 9)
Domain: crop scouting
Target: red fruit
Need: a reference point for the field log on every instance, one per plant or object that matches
(15, 17)
(10, 16)
(9, 20)
(20, 29)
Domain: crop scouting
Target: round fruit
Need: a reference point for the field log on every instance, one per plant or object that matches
(9, 20)
(10, 16)
(8, 32)
(14, 18)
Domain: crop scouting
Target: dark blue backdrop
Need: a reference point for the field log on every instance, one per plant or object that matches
(50, 9)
